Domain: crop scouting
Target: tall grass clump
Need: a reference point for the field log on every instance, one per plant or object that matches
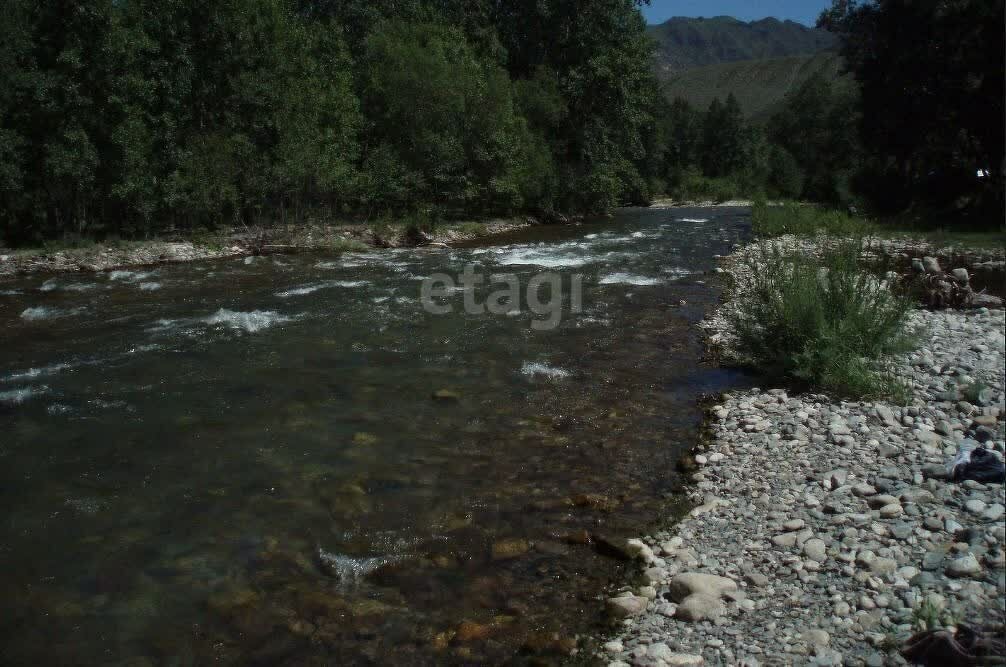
(769, 221)
(822, 322)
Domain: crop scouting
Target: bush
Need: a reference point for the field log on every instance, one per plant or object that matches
(693, 186)
(822, 323)
(785, 176)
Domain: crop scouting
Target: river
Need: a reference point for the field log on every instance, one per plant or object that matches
(289, 460)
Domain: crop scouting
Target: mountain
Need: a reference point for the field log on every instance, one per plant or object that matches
(684, 43)
(758, 85)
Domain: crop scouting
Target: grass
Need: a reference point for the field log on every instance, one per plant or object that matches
(806, 220)
(810, 220)
(822, 323)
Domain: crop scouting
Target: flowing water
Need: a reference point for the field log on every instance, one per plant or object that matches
(244, 461)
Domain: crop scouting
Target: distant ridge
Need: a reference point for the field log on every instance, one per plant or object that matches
(759, 85)
(685, 43)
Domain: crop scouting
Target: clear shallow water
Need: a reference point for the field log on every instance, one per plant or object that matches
(242, 461)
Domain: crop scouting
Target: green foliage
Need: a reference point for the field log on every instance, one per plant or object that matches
(824, 323)
(785, 177)
(817, 126)
(768, 221)
(460, 145)
(931, 79)
(714, 155)
(130, 118)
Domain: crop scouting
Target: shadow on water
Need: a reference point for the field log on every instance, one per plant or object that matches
(244, 462)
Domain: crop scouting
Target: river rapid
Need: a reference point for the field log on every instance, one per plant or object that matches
(289, 460)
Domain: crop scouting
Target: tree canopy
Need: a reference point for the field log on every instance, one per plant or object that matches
(139, 117)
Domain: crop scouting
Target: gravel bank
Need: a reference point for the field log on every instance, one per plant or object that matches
(824, 530)
(241, 242)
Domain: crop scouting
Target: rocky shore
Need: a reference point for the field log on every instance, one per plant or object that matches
(244, 242)
(827, 532)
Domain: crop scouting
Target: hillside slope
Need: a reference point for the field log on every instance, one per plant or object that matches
(758, 85)
(684, 43)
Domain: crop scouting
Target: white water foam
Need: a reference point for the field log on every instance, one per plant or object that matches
(52, 284)
(150, 287)
(37, 313)
(549, 257)
(34, 373)
(628, 279)
(21, 394)
(131, 276)
(533, 368)
(348, 570)
(308, 289)
(695, 220)
(252, 322)
(350, 262)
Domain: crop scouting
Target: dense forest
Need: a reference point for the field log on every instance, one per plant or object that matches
(137, 117)
(132, 117)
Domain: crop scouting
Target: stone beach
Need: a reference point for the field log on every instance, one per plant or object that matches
(826, 532)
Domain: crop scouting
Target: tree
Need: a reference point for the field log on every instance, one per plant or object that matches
(817, 128)
(723, 138)
(931, 74)
(443, 115)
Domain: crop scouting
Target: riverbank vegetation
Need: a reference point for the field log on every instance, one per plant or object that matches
(823, 322)
(805, 219)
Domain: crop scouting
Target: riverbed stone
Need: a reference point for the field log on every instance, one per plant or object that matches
(691, 583)
(700, 607)
(627, 606)
(965, 566)
(816, 550)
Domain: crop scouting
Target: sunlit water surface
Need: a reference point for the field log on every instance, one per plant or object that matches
(243, 461)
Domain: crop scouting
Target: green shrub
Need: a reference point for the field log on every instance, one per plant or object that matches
(822, 323)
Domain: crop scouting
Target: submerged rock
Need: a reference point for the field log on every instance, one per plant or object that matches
(510, 548)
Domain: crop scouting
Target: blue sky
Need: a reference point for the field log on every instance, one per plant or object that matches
(802, 11)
